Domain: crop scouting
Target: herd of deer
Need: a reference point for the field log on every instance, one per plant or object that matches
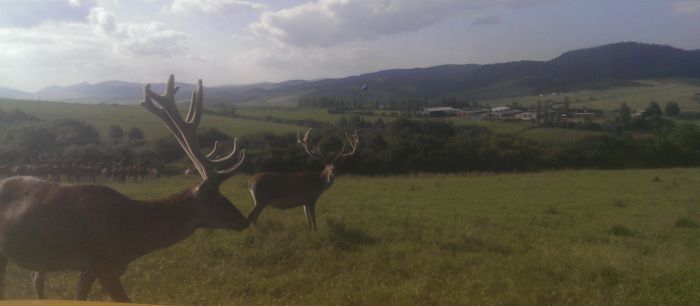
(86, 171)
(47, 226)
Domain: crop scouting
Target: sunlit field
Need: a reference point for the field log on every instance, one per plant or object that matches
(569, 237)
(682, 91)
(103, 116)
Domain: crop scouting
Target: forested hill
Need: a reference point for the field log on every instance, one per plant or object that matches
(599, 67)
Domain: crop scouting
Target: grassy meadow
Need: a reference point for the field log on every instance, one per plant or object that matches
(552, 238)
(637, 97)
(102, 116)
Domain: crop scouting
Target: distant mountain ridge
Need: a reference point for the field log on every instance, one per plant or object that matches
(610, 65)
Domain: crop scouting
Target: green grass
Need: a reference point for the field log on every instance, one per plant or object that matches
(558, 135)
(550, 135)
(104, 116)
(292, 112)
(300, 113)
(637, 97)
(551, 238)
(499, 127)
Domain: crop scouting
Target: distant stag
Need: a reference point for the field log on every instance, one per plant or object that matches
(46, 226)
(288, 190)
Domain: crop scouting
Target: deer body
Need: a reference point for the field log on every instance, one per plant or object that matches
(278, 189)
(46, 226)
(87, 227)
(281, 190)
(288, 190)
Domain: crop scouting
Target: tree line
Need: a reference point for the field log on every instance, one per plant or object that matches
(406, 146)
(396, 147)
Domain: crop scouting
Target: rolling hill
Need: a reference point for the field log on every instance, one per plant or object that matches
(603, 67)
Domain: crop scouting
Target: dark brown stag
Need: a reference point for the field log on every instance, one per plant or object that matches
(47, 226)
(288, 190)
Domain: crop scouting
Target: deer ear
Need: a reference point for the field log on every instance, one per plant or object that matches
(207, 186)
(340, 161)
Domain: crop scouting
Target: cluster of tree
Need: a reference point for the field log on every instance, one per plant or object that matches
(400, 146)
(560, 114)
(116, 134)
(70, 148)
(230, 111)
(15, 116)
(652, 118)
(340, 104)
(404, 146)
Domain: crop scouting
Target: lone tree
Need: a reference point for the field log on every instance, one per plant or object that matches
(116, 133)
(135, 134)
(672, 109)
(625, 115)
(653, 109)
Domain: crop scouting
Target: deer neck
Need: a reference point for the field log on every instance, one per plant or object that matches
(167, 221)
(327, 178)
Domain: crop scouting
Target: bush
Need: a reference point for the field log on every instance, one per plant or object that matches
(686, 222)
(74, 132)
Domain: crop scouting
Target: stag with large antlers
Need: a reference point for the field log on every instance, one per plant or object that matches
(288, 190)
(47, 226)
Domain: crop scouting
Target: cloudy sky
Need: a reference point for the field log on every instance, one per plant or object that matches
(47, 42)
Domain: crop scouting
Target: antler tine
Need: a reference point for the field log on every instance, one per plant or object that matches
(161, 113)
(353, 141)
(306, 135)
(316, 153)
(167, 98)
(340, 153)
(229, 156)
(185, 130)
(214, 150)
(184, 134)
(190, 113)
(226, 173)
(194, 116)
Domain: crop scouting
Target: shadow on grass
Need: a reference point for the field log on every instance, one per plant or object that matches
(345, 238)
(467, 243)
(686, 222)
(621, 230)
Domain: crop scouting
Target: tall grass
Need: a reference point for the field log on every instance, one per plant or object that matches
(553, 238)
(102, 117)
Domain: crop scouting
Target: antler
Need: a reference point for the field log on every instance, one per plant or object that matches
(352, 140)
(185, 130)
(316, 153)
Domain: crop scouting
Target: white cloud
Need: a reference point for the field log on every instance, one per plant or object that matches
(284, 57)
(329, 22)
(49, 54)
(687, 6)
(135, 39)
(102, 21)
(149, 39)
(214, 6)
(31, 13)
(486, 20)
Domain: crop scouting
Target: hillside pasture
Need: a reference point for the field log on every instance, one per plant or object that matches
(301, 113)
(553, 238)
(683, 91)
(102, 116)
(528, 130)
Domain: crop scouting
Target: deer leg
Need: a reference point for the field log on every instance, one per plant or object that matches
(111, 283)
(257, 208)
(84, 285)
(310, 211)
(39, 279)
(3, 265)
